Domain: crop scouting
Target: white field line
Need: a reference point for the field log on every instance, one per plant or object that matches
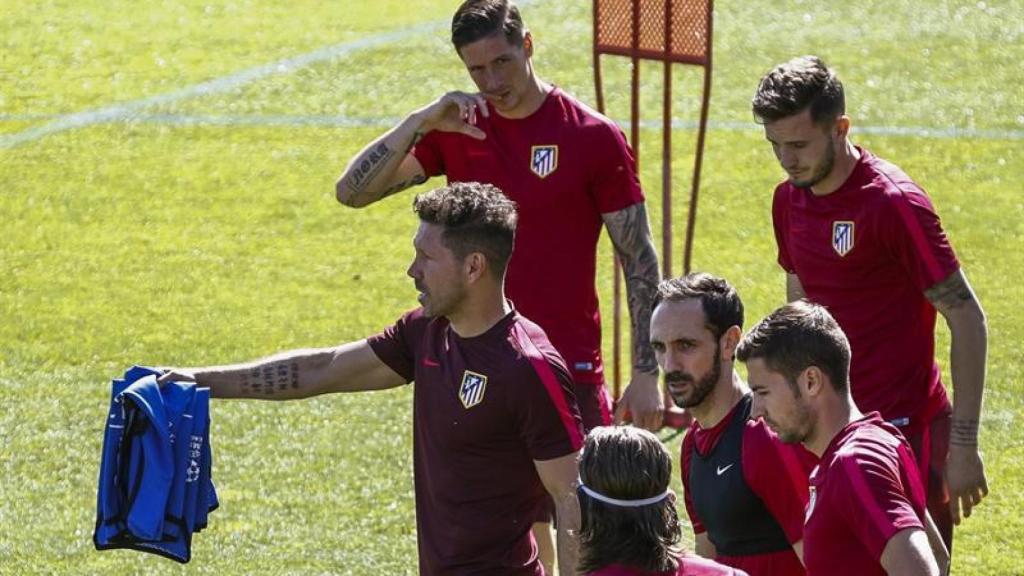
(334, 121)
(126, 111)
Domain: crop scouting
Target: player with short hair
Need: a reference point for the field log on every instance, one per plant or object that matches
(745, 490)
(629, 525)
(496, 426)
(858, 236)
(867, 511)
(571, 173)
(567, 167)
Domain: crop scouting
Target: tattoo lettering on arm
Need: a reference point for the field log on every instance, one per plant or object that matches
(964, 432)
(270, 379)
(630, 233)
(951, 293)
(370, 167)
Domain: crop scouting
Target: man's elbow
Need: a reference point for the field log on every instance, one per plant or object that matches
(345, 195)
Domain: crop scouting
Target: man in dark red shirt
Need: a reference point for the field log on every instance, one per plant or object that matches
(745, 490)
(866, 513)
(496, 426)
(858, 236)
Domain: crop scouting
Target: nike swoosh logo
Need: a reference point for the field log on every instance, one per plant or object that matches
(430, 363)
(721, 470)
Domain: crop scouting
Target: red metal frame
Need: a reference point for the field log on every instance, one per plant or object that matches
(685, 38)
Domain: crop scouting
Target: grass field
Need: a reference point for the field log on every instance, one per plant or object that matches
(151, 222)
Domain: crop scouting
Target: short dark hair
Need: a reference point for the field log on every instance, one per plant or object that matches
(476, 218)
(797, 336)
(477, 19)
(722, 306)
(801, 83)
(627, 463)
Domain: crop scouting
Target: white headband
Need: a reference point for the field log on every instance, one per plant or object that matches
(624, 503)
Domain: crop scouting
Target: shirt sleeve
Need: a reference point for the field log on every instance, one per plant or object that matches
(684, 459)
(546, 411)
(428, 153)
(874, 502)
(396, 345)
(614, 182)
(778, 473)
(916, 239)
(780, 224)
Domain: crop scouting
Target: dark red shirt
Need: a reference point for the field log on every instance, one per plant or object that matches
(565, 165)
(865, 489)
(775, 471)
(867, 252)
(484, 409)
(688, 566)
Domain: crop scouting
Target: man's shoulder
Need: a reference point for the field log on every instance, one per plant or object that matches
(582, 115)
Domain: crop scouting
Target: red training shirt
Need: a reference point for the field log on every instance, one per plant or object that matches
(867, 252)
(485, 408)
(865, 489)
(565, 165)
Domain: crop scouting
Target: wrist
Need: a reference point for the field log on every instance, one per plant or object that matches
(963, 432)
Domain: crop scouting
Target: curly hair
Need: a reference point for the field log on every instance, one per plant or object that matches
(476, 218)
(802, 83)
(627, 463)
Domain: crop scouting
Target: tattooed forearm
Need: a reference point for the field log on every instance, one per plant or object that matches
(414, 181)
(631, 235)
(964, 432)
(950, 293)
(369, 167)
(270, 379)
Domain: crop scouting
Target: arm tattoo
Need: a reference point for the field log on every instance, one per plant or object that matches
(952, 292)
(414, 181)
(964, 432)
(271, 378)
(631, 235)
(370, 167)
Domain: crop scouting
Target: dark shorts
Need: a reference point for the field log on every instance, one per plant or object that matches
(931, 448)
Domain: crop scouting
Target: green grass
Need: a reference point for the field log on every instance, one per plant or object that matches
(163, 244)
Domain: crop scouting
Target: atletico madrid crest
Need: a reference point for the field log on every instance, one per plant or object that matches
(842, 237)
(472, 389)
(543, 160)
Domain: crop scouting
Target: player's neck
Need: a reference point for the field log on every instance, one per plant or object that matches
(727, 393)
(533, 98)
(479, 313)
(846, 160)
(834, 415)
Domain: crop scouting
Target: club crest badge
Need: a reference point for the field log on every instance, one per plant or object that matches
(842, 237)
(472, 389)
(543, 160)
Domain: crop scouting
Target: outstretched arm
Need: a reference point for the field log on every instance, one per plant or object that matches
(630, 233)
(296, 374)
(386, 166)
(955, 300)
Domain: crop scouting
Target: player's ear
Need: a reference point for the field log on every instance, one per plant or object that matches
(842, 126)
(475, 266)
(729, 341)
(812, 381)
(528, 44)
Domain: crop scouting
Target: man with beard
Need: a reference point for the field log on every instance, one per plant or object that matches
(745, 490)
(866, 514)
(858, 236)
(496, 426)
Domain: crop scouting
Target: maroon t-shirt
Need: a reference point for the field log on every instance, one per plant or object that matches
(688, 566)
(564, 165)
(484, 409)
(865, 489)
(775, 471)
(867, 252)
